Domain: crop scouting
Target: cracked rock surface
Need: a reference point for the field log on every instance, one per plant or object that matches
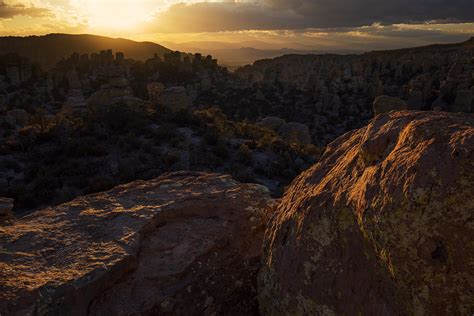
(184, 243)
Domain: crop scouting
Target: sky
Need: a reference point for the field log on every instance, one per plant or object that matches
(326, 25)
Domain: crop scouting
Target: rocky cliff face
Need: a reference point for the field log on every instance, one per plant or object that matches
(382, 225)
(185, 243)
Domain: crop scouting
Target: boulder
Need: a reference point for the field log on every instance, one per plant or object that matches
(295, 133)
(108, 95)
(175, 99)
(155, 92)
(382, 225)
(184, 243)
(272, 123)
(385, 104)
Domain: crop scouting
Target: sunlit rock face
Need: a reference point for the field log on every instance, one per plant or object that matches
(185, 243)
(382, 225)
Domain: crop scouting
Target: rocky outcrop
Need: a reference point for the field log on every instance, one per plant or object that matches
(155, 92)
(385, 104)
(341, 88)
(382, 225)
(117, 90)
(273, 123)
(175, 99)
(295, 132)
(184, 243)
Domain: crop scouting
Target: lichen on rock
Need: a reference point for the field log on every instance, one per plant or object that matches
(381, 225)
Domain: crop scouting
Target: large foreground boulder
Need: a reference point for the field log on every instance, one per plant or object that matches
(185, 243)
(382, 225)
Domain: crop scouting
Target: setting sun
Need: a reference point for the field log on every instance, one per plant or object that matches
(114, 14)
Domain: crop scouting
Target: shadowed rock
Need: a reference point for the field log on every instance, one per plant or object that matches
(295, 132)
(272, 123)
(175, 99)
(184, 243)
(382, 225)
(385, 104)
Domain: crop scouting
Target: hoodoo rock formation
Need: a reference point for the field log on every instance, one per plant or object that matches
(184, 243)
(382, 225)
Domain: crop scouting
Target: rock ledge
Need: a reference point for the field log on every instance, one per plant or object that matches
(186, 243)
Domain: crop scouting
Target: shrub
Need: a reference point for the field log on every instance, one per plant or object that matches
(120, 117)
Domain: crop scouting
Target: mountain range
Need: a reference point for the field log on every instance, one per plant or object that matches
(49, 49)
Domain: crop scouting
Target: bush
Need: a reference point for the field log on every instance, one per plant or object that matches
(165, 132)
(120, 117)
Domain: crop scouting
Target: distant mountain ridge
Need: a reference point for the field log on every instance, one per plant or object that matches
(467, 44)
(49, 49)
(245, 53)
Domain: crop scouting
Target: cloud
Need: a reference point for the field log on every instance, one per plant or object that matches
(8, 11)
(220, 16)
(302, 14)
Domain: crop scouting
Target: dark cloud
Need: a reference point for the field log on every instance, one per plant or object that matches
(350, 13)
(8, 11)
(301, 14)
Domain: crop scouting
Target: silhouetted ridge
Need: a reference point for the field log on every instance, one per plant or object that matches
(50, 48)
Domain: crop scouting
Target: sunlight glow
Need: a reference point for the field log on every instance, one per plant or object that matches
(114, 14)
